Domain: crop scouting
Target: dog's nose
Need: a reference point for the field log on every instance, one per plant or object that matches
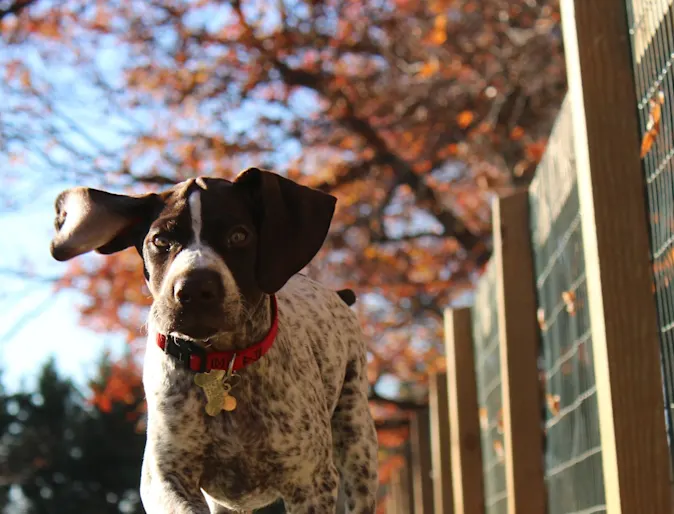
(199, 287)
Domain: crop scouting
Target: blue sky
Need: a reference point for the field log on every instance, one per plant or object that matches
(37, 321)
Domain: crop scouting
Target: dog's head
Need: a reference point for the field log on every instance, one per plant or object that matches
(211, 248)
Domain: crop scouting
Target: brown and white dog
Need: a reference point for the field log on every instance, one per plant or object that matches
(221, 260)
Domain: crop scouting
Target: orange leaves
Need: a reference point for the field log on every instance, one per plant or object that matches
(429, 68)
(653, 125)
(535, 151)
(498, 450)
(484, 418)
(422, 166)
(517, 133)
(389, 466)
(47, 27)
(464, 119)
(499, 421)
(569, 298)
(553, 403)
(438, 34)
(448, 151)
(392, 438)
(350, 141)
(540, 316)
(17, 70)
(663, 268)
(438, 6)
(115, 290)
(122, 385)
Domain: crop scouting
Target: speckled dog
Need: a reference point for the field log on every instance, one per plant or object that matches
(222, 260)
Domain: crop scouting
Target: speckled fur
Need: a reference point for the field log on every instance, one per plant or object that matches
(302, 430)
(302, 420)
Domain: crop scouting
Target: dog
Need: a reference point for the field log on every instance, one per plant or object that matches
(254, 374)
(347, 296)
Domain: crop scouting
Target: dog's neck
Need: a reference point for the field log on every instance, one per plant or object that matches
(256, 322)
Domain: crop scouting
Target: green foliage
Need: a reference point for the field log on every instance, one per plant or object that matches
(64, 456)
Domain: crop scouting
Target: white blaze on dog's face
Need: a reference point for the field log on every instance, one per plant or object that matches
(211, 248)
(198, 255)
(186, 255)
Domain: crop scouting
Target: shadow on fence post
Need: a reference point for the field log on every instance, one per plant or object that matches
(420, 446)
(400, 498)
(619, 280)
(440, 442)
(519, 347)
(465, 451)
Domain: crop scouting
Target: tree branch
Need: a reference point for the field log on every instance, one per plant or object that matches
(318, 82)
(25, 275)
(391, 424)
(406, 237)
(15, 8)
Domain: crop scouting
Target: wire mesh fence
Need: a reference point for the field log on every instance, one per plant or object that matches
(652, 36)
(573, 466)
(488, 375)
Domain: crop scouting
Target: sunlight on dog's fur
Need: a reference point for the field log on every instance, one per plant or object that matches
(219, 256)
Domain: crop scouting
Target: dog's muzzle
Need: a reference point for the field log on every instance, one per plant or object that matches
(199, 289)
(195, 305)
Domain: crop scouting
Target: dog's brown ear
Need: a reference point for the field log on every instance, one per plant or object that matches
(293, 221)
(90, 219)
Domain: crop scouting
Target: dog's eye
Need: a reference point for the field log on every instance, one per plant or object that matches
(237, 237)
(161, 241)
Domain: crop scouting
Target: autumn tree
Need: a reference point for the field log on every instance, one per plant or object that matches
(413, 113)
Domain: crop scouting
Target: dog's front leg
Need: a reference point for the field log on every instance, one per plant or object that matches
(317, 496)
(355, 442)
(170, 482)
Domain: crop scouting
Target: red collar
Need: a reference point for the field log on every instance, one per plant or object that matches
(198, 359)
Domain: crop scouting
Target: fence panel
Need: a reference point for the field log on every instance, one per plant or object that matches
(573, 465)
(622, 312)
(652, 34)
(488, 376)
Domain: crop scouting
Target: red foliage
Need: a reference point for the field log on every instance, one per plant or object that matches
(120, 382)
(412, 113)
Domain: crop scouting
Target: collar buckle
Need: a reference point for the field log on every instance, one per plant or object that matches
(185, 351)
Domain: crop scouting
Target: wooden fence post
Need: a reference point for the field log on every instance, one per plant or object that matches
(465, 451)
(440, 443)
(391, 500)
(519, 350)
(422, 483)
(615, 240)
(395, 499)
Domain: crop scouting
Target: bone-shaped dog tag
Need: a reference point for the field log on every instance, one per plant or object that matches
(216, 391)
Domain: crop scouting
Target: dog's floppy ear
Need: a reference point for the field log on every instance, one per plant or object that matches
(89, 219)
(293, 221)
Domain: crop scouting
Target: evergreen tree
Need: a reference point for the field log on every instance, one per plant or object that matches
(65, 455)
(64, 452)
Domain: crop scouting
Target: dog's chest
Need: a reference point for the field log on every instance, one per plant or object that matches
(280, 417)
(247, 453)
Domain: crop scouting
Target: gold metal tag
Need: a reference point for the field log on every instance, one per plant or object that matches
(215, 390)
(229, 403)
